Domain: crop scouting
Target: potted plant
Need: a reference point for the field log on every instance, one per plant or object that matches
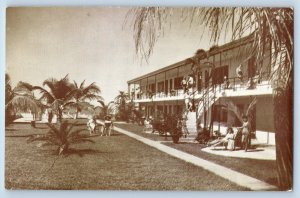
(174, 126)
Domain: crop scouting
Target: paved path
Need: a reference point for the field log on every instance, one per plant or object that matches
(263, 153)
(231, 175)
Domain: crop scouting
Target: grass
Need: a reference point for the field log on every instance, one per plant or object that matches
(261, 169)
(116, 162)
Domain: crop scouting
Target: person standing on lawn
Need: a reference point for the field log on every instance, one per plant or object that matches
(245, 133)
(108, 125)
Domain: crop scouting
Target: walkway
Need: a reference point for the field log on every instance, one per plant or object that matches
(231, 175)
(262, 153)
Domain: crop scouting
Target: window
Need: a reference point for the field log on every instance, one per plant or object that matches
(160, 86)
(165, 109)
(220, 113)
(166, 87)
(251, 67)
(170, 109)
(218, 74)
(152, 88)
(177, 82)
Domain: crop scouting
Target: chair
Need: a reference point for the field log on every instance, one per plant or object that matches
(147, 126)
(236, 141)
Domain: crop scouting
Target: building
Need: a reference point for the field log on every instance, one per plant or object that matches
(219, 92)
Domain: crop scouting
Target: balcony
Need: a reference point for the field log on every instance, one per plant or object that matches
(233, 87)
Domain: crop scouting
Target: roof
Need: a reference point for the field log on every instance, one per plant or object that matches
(212, 51)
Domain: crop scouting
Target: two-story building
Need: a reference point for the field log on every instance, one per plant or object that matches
(226, 79)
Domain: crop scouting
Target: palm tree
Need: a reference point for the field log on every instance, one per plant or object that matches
(269, 28)
(57, 96)
(61, 137)
(19, 99)
(83, 95)
(120, 101)
(107, 109)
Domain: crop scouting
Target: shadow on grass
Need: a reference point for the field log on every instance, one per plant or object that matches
(29, 135)
(40, 127)
(10, 129)
(82, 152)
(248, 151)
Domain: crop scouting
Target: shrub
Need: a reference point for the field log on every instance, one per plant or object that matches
(61, 137)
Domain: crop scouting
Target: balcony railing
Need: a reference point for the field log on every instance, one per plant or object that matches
(234, 84)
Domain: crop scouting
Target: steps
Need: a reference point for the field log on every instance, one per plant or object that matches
(191, 125)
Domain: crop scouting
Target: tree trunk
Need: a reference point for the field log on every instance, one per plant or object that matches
(59, 115)
(283, 123)
(77, 112)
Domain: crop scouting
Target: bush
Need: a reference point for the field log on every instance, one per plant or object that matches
(62, 137)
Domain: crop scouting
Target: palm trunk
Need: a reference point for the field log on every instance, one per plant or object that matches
(283, 123)
(59, 115)
(77, 112)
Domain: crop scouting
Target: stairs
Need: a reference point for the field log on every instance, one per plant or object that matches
(191, 126)
(207, 100)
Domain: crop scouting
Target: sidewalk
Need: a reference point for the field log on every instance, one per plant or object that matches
(262, 153)
(231, 175)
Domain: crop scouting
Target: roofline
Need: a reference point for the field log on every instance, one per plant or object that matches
(222, 48)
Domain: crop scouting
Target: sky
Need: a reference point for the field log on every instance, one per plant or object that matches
(92, 44)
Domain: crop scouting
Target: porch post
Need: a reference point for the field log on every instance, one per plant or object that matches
(134, 90)
(140, 93)
(147, 91)
(128, 89)
(166, 88)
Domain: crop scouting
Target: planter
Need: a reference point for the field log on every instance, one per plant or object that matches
(32, 123)
(175, 139)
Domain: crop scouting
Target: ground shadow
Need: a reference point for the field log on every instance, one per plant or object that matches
(40, 127)
(255, 150)
(11, 129)
(223, 149)
(29, 135)
(83, 152)
(117, 134)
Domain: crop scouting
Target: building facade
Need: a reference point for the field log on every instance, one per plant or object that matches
(224, 81)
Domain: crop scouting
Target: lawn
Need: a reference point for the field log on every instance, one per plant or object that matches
(111, 163)
(260, 169)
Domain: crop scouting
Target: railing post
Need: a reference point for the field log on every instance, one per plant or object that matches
(234, 84)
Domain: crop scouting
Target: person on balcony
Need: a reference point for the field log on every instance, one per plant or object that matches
(239, 73)
(226, 83)
(184, 84)
(190, 83)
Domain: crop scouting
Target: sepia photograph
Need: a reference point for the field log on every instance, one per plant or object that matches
(149, 98)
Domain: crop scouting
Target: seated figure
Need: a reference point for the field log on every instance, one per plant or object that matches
(147, 125)
(225, 140)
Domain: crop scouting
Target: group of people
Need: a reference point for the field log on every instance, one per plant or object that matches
(228, 140)
(105, 128)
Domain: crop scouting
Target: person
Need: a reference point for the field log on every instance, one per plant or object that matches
(245, 133)
(107, 126)
(184, 84)
(184, 127)
(239, 72)
(50, 115)
(225, 140)
(187, 102)
(226, 83)
(190, 82)
(147, 125)
(91, 125)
